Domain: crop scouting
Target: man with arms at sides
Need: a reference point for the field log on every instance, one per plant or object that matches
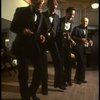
(82, 39)
(65, 42)
(25, 47)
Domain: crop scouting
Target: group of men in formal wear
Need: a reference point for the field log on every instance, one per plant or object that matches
(39, 31)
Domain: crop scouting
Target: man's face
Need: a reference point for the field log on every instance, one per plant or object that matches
(52, 6)
(51, 10)
(85, 22)
(70, 15)
(37, 4)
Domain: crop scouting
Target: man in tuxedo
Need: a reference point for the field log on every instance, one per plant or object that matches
(50, 26)
(64, 42)
(83, 41)
(25, 47)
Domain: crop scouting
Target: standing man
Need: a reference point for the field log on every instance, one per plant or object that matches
(82, 39)
(26, 24)
(65, 42)
(50, 26)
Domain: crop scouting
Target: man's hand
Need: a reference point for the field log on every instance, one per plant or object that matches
(42, 38)
(73, 42)
(28, 32)
(84, 40)
(91, 42)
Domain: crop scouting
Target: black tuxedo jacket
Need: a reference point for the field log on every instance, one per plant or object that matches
(78, 34)
(47, 25)
(62, 42)
(23, 18)
(62, 26)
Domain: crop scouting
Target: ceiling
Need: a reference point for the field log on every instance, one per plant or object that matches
(76, 3)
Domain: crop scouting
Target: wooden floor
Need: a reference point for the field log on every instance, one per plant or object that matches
(88, 91)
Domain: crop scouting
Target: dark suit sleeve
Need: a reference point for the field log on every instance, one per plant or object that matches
(40, 30)
(16, 25)
(56, 23)
(44, 25)
(76, 34)
(60, 27)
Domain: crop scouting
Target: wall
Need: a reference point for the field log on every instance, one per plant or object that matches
(8, 8)
(92, 14)
(83, 9)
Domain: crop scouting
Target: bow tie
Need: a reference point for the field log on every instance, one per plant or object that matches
(35, 11)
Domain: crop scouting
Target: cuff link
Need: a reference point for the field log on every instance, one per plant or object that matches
(64, 37)
(48, 34)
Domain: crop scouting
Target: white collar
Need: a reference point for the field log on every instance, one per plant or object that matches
(51, 19)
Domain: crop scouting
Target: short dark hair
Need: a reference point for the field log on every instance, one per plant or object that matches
(70, 9)
(84, 18)
(49, 3)
(35, 1)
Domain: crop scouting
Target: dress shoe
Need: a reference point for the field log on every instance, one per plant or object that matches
(35, 98)
(84, 81)
(25, 98)
(69, 83)
(45, 92)
(78, 82)
(63, 87)
(65, 84)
